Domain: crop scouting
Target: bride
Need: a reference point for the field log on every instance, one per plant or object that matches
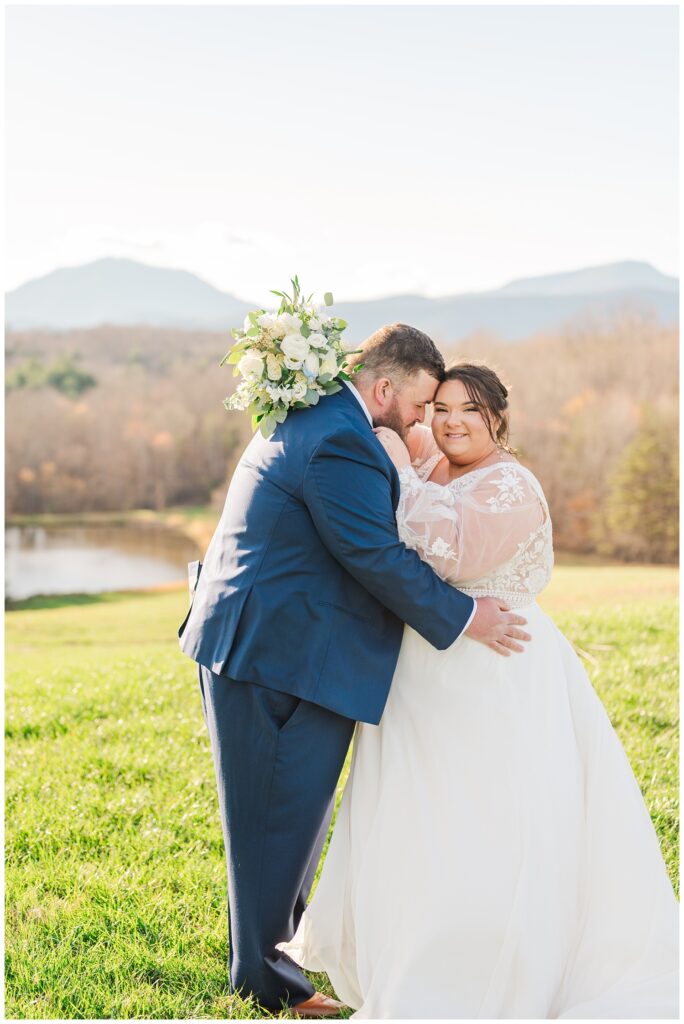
(492, 856)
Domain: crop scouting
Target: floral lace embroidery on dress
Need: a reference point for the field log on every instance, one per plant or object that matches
(488, 532)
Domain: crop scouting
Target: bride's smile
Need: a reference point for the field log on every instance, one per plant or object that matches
(460, 426)
(469, 424)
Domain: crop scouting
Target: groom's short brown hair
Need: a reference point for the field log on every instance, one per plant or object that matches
(397, 351)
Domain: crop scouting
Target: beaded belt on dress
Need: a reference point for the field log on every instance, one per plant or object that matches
(514, 599)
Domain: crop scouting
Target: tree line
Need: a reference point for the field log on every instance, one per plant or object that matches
(116, 418)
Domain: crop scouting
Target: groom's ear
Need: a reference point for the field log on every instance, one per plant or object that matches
(383, 391)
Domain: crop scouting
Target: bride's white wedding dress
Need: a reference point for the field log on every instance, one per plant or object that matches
(492, 856)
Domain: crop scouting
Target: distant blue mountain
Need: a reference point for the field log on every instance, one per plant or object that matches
(122, 291)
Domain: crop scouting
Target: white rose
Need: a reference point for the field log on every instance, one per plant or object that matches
(317, 340)
(273, 367)
(291, 323)
(315, 323)
(292, 364)
(329, 363)
(295, 347)
(299, 391)
(311, 365)
(251, 365)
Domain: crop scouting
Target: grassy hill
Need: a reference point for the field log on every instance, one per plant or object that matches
(115, 875)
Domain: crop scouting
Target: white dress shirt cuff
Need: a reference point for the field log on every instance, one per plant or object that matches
(472, 616)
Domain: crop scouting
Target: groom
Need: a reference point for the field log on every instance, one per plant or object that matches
(296, 623)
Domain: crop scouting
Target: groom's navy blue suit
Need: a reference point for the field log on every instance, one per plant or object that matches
(296, 623)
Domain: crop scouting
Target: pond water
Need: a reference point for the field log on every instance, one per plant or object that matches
(93, 558)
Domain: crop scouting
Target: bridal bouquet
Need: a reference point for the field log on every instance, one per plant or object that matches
(287, 360)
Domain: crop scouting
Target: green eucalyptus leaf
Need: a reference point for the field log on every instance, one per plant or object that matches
(280, 415)
(253, 332)
(236, 354)
(328, 298)
(305, 331)
(267, 426)
(312, 397)
(333, 387)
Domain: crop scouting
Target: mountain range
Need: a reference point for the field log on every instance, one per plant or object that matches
(122, 291)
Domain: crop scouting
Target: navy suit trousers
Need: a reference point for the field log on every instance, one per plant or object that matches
(277, 760)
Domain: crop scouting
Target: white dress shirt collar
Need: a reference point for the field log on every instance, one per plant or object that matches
(359, 399)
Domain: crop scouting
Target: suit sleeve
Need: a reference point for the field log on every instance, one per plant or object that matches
(347, 490)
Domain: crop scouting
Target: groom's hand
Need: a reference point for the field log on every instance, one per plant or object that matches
(496, 626)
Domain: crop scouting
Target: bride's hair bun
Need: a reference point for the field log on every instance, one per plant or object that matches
(488, 392)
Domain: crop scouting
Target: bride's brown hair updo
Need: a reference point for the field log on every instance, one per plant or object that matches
(489, 394)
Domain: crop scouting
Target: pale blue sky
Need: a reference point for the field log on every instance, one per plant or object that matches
(372, 150)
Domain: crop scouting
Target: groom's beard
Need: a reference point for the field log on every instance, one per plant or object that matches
(392, 418)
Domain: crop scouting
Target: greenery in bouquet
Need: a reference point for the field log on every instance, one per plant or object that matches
(287, 359)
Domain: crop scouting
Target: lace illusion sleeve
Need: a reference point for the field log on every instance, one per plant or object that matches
(470, 527)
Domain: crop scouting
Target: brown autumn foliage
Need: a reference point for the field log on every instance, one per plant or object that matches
(153, 431)
(578, 399)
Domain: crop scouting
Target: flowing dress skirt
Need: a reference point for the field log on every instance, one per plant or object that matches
(493, 856)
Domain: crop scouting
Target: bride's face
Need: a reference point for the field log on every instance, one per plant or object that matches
(458, 426)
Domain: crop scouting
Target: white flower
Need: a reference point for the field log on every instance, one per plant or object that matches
(318, 340)
(251, 365)
(275, 393)
(273, 367)
(241, 398)
(270, 323)
(329, 364)
(299, 391)
(311, 365)
(290, 323)
(347, 345)
(279, 394)
(292, 364)
(315, 323)
(247, 324)
(295, 347)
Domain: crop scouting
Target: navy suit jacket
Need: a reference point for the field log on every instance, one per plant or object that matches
(305, 586)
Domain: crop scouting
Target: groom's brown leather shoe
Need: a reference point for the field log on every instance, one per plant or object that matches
(318, 1005)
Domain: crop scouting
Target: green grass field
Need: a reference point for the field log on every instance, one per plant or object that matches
(115, 878)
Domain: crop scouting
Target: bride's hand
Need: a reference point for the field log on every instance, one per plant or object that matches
(394, 446)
